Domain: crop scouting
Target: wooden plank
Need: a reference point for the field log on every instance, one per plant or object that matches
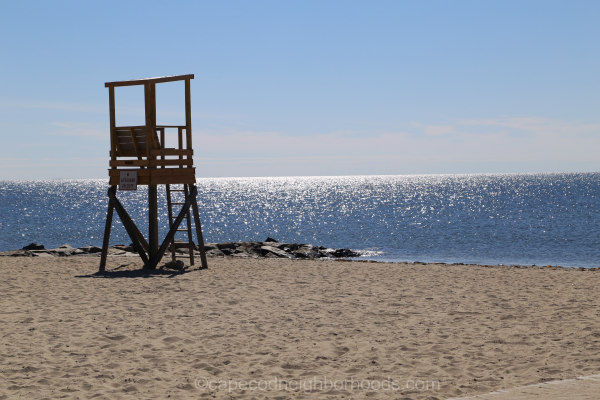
(150, 163)
(158, 176)
(128, 127)
(148, 115)
(129, 163)
(188, 115)
(172, 152)
(134, 141)
(162, 141)
(131, 142)
(143, 81)
(173, 175)
(153, 135)
(180, 142)
(167, 162)
(113, 139)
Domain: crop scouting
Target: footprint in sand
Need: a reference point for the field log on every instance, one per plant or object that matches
(116, 337)
(171, 339)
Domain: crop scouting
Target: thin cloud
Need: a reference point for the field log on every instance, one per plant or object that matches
(78, 129)
(535, 125)
(11, 159)
(434, 130)
(502, 144)
(47, 105)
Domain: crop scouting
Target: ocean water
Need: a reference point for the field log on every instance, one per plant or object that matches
(506, 219)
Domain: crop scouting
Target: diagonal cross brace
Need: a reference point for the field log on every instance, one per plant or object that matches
(139, 243)
(123, 213)
(186, 206)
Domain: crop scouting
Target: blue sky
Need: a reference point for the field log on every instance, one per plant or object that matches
(308, 87)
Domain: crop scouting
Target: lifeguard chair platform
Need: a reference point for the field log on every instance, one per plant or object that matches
(139, 156)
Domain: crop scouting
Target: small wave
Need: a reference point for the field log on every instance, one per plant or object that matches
(370, 253)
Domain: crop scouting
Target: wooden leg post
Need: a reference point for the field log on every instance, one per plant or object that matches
(107, 227)
(198, 228)
(152, 226)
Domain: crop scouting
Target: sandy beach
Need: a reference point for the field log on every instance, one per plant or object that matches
(277, 329)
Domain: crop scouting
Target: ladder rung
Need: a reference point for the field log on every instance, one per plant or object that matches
(177, 204)
(182, 230)
(184, 244)
(176, 190)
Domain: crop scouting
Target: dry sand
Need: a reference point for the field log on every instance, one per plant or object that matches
(265, 328)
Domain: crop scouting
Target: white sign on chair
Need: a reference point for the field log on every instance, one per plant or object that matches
(128, 179)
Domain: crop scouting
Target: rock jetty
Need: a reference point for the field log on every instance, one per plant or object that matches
(270, 248)
(273, 249)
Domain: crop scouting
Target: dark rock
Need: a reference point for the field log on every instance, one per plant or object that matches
(271, 240)
(345, 253)
(289, 247)
(306, 251)
(252, 250)
(267, 251)
(177, 265)
(249, 244)
(227, 251)
(64, 251)
(90, 249)
(33, 246)
(228, 246)
(295, 246)
(214, 253)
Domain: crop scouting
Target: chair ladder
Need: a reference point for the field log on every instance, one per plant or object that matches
(178, 244)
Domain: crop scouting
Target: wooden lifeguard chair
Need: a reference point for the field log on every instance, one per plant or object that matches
(139, 156)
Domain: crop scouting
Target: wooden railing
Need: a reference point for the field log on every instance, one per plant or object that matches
(131, 142)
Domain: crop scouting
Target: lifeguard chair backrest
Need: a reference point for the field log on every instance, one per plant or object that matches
(131, 141)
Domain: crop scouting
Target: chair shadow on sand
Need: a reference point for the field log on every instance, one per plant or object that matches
(119, 272)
